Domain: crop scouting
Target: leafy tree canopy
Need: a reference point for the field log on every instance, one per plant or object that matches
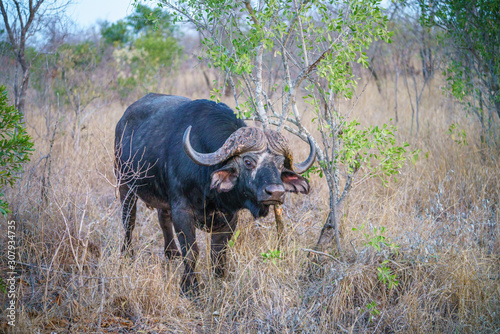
(144, 21)
(472, 32)
(145, 48)
(115, 32)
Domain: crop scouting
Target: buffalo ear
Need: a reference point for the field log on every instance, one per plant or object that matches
(224, 179)
(294, 182)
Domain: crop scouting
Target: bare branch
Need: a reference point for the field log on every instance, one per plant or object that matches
(233, 88)
(8, 27)
(320, 253)
(269, 103)
(350, 178)
(305, 72)
(292, 24)
(198, 25)
(246, 79)
(303, 134)
(19, 13)
(251, 12)
(258, 87)
(301, 32)
(288, 97)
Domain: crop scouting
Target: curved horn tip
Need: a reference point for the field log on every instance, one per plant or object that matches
(187, 132)
(304, 166)
(186, 144)
(203, 159)
(191, 153)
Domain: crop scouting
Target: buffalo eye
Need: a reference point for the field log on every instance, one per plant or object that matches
(249, 163)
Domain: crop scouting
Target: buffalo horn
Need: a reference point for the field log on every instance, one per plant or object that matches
(303, 166)
(279, 144)
(242, 140)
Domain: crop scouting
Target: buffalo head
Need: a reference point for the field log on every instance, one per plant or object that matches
(257, 164)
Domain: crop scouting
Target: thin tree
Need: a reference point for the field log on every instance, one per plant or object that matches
(22, 20)
(312, 44)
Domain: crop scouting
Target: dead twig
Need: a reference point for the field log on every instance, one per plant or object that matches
(321, 253)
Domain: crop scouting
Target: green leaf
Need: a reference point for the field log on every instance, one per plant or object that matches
(15, 147)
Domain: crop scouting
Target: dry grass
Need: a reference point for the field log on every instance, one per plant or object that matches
(443, 212)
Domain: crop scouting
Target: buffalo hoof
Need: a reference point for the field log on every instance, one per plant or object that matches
(190, 286)
(190, 291)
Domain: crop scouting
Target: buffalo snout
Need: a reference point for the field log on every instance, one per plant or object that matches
(273, 194)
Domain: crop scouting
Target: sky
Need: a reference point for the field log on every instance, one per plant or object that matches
(87, 12)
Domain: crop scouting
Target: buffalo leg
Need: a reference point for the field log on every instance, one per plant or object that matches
(220, 238)
(165, 219)
(184, 227)
(129, 208)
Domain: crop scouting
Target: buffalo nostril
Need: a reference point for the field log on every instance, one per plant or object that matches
(275, 190)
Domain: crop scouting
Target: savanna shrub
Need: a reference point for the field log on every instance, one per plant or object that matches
(15, 146)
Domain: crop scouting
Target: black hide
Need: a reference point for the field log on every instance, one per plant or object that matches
(152, 165)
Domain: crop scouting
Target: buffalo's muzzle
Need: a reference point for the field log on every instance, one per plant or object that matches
(273, 194)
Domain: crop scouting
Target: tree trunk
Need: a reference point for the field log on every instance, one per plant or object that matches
(396, 96)
(375, 76)
(23, 89)
(330, 230)
(417, 101)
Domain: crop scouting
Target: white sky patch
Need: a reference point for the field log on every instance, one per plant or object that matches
(87, 13)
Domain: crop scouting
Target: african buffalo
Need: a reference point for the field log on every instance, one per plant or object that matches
(198, 165)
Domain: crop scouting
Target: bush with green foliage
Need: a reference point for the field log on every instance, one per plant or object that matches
(472, 35)
(115, 33)
(145, 48)
(15, 146)
(75, 65)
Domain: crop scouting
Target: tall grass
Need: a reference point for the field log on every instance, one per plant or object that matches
(442, 212)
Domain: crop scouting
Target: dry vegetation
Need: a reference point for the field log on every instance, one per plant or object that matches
(443, 212)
